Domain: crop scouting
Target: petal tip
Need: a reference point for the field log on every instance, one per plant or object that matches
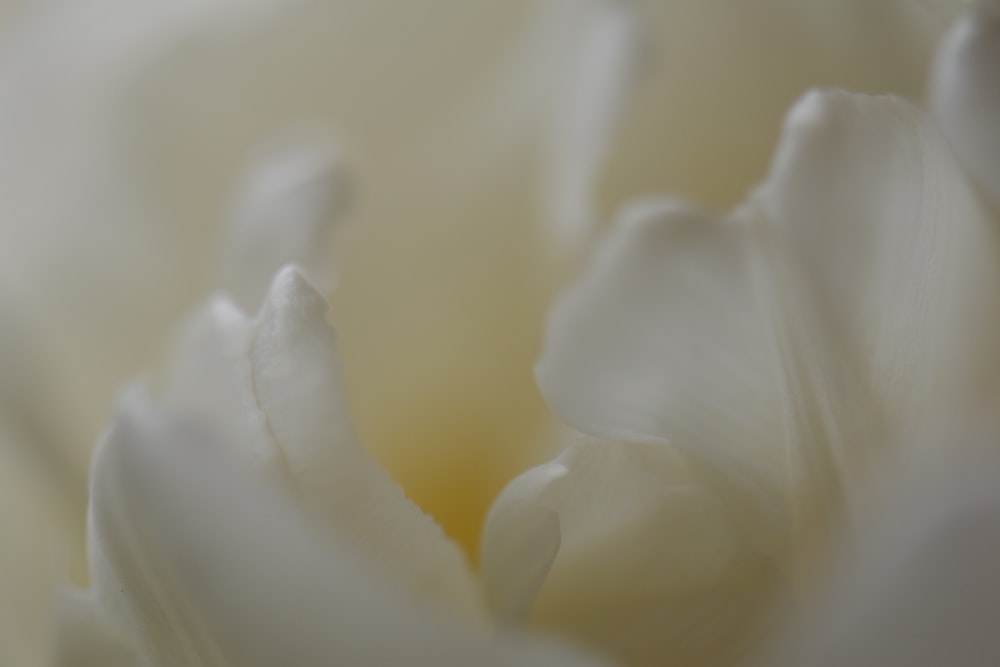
(964, 97)
(291, 290)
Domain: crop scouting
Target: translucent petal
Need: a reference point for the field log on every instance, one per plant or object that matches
(662, 341)
(649, 566)
(893, 249)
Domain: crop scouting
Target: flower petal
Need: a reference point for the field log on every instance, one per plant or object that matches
(144, 124)
(650, 568)
(591, 99)
(520, 541)
(285, 213)
(920, 588)
(965, 96)
(205, 566)
(893, 248)
(731, 69)
(272, 384)
(661, 341)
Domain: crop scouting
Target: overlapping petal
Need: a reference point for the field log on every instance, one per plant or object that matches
(143, 124)
(708, 110)
(272, 384)
(204, 566)
(893, 250)
(630, 552)
(663, 341)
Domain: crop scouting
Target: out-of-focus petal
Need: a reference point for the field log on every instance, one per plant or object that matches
(731, 69)
(650, 566)
(142, 125)
(661, 341)
(272, 384)
(285, 213)
(601, 72)
(893, 248)
(920, 587)
(965, 94)
(204, 566)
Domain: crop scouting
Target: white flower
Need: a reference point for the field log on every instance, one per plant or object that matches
(739, 385)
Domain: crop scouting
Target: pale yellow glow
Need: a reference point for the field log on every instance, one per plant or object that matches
(440, 322)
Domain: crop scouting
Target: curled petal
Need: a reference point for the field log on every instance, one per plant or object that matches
(521, 538)
(661, 341)
(632, 554)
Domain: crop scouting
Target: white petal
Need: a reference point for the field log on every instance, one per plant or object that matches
(921, 589)
(210, 371)
(210, 568)
(735, 86)
(650, 567)
(520, 541)
(143, 125)
(586, 114)
(285, 214)
(893, 249)
(661, 341)
(965, 94)
(273, 385)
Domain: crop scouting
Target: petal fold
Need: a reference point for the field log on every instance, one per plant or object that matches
(661, 341)
(649, 565)
(891, 245)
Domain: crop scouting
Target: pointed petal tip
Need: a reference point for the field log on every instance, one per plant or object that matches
(290, 289)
